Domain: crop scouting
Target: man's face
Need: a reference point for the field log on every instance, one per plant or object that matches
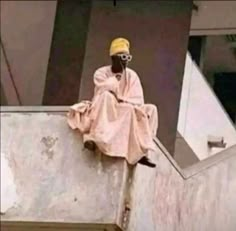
(122, 59)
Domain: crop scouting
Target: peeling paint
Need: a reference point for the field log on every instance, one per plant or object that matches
(49, 153)
(9, 197)
(49, 142)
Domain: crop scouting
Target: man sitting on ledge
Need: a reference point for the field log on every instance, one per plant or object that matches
(117, 121)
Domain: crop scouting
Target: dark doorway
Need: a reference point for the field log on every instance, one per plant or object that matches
(195, 44)
(225, 89)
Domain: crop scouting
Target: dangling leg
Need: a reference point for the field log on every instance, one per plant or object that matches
(152, 115)
(146, 161)
(105, 98)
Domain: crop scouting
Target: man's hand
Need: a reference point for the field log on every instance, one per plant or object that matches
(119, 100)
(114, 94)
(118, 77)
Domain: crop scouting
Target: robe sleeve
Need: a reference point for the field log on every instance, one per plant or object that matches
(134, 94)
(104, 83)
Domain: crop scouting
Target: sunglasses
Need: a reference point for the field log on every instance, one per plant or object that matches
(125, 57)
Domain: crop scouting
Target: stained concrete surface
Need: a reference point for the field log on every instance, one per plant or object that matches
(8, 188)
(56, 180)
(60, 186)
(162, 200)
(183, 154)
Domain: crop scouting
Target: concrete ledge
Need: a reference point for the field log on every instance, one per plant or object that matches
(39, 226)
(209, 162)
(200, 166)
(34, 108)
(184, 172)
(54, 179)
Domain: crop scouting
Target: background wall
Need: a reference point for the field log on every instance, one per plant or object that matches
(67, 52)
(158, 32)
(8, 92)
(214, 17)
(26, 33)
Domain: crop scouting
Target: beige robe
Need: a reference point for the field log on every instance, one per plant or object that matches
(122, 129)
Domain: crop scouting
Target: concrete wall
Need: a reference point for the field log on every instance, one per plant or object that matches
(26, 33)
(201, 114)
(214, 17)
(162, 200)
(183, 154)
(48, 181)
(47, 176)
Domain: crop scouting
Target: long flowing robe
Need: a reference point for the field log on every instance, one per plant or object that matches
(119, 129)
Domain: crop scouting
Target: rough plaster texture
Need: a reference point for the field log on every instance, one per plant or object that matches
(8, 188)
(59, 186)
(162, 200)
(55, 179)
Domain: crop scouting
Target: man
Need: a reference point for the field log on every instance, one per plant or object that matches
(117, 121)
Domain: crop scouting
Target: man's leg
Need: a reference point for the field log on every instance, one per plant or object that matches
(105, 98)
(152, 113)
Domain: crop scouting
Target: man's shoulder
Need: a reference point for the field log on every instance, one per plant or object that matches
(132, 73)
(102, 69)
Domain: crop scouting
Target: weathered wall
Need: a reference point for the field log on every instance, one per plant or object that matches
(162, 200)
(47, 176)
(26, 33)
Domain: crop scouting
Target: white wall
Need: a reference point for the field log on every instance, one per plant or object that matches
(201, 114)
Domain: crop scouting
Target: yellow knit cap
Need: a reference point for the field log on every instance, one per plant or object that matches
(119, 45)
